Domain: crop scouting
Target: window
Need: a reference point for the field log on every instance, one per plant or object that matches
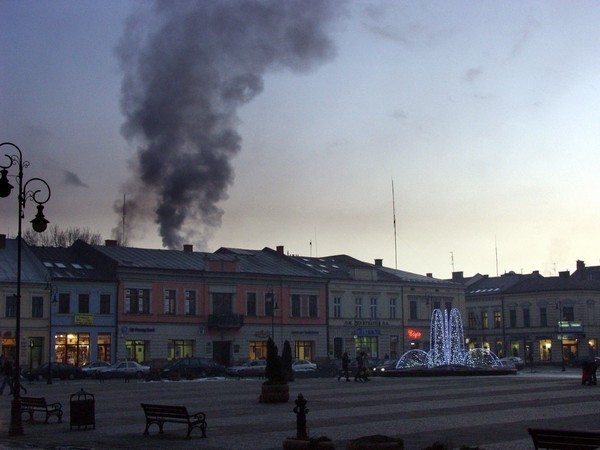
(513, 318)
(337, 307)
(472, 320)
(11, 306)
(304, 306)
(358, 307)
(373, 308)
(180, 348)
(258, 349)
(497, 319)
(137, 301)
(104, 303)
(568, 313)
(392, 308)
(170, 302)
(84, 303)
(526, 318)
(189, 302)
(64, 303)
(37, 306)
(485, 323)
(545, 349)
(543, 317)
(251, 304)
(303, 350)
(413, 310)
(270, 305)
(222, 303)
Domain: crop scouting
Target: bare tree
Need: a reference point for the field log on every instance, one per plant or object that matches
(56, 237)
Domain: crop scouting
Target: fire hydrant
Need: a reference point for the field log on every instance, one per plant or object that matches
(301, 410)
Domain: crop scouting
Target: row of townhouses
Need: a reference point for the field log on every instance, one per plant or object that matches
(107, 302)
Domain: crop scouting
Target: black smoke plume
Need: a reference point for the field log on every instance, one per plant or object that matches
(188, 66)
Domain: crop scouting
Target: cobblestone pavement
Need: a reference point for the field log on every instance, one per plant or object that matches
(491, 412)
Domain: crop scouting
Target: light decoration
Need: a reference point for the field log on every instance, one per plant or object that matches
(447, 346)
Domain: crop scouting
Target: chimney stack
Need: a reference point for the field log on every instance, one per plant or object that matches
(379, 262)
(2, 241)
(188, 248)
(280, 250)
(429, 275)
(458, 276)
(110, 243)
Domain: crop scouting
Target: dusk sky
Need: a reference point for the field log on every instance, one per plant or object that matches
(484, 114)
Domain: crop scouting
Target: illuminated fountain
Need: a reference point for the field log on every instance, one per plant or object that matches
(448, 354)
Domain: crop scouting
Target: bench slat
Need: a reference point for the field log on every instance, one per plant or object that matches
(159, 414)
(565, 439)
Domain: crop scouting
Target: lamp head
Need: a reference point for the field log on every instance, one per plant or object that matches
(39, 223)
(5, 186)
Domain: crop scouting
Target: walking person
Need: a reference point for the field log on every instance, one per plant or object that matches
(360, 367)
(7, 375)
(345, 366)
(365, 372)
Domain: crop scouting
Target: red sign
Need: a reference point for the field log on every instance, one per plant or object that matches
(414, 334)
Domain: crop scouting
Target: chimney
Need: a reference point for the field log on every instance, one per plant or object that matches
(379, 262)
(429, 275)
(110, 243)
(2, 241)
(188, 248)
(280, 250)
(535, 272)
(580, 265)
(564, 274)
(458, 276)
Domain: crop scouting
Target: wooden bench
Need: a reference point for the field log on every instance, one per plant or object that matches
(32, 404)
(565, 439)
(159, 414)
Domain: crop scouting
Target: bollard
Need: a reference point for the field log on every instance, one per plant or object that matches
(301, 410)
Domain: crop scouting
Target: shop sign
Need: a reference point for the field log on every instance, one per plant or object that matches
(368, 323)
(364, 332)
(83, 319)
(414, 334)
(262, 334)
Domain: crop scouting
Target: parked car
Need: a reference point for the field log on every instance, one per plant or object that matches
(91, 369)
(156, 366)
(191, 368)
(303, 365)
(124, 369)
(514, 360)
(252, 368)
(63, 371)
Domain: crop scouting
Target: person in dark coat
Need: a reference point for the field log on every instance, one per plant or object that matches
(360, 367)
(7, 375)
(345, 366)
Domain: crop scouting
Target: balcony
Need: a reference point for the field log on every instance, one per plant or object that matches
(232, 321)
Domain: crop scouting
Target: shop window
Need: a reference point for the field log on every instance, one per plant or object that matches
(136, 350)
(104, 347)
(180, 348)
(73, 348)
(303, 350)
(545, 350)
(258, 350)
(368, 344)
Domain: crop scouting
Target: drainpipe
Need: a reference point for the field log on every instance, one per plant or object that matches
(504, 351)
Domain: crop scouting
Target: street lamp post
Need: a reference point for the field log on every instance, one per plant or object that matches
(560, 330)
(50, 304)
(39, 224)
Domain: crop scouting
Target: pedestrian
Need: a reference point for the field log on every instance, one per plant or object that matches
(366, 371)
(593, 370)
(586, 371)
(360, 366)
(7, 375)
(345, 366)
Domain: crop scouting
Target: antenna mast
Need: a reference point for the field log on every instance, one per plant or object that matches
(395, 239)
(124, 242)
(496, 245)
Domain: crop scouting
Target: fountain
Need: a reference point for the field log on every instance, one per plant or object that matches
(448, 354)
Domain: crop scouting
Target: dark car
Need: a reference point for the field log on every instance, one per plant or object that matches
(59, 370)
(190, 368)
(156, 366)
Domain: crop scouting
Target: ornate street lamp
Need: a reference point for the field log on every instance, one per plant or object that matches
(39, 224)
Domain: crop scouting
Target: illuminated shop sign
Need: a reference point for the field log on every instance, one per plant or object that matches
(414, 334)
